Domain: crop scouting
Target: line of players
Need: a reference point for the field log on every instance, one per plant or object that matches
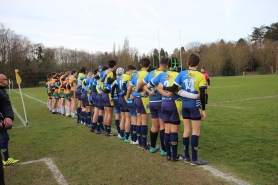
(170, 97)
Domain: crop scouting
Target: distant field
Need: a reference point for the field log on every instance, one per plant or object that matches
(238, 138)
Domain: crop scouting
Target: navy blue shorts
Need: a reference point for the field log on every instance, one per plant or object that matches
(139, 106)
(131, 107)
(192, 113)
(99, 102)
(169, 112)
(94, 98)
(84, 99)
(106, 100)
(123, 104)
(155, 108)
(116, 106)
(78, 93)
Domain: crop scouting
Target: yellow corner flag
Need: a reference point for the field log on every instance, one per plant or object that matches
(18, 79)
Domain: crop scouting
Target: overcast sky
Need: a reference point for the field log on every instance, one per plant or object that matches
(95, 25)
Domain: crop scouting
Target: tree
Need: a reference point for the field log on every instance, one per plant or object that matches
(272, 32)
(258, 35)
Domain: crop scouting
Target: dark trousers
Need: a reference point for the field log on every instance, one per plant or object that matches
(2, 182)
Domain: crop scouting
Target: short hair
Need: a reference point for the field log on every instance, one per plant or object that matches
(203, 68)
(104, 68)
(95, 71)
(164, 61)
(73, 71)
(193, 60)
(130, 67)
(145, 62)
(83, 70)
(111, 63)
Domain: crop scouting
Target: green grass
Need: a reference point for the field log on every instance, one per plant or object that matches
(239, 137)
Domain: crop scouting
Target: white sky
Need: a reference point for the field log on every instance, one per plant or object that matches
(95, 25)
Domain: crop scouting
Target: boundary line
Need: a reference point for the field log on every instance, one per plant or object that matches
(225, 106)
(214, 171)
(247, 99)
(48, 161)
(217, 173)
(21, 119)
(218, 87)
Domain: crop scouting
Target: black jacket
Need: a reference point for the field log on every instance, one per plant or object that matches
(5, 105)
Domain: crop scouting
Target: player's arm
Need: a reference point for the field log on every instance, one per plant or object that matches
(130, 87)
(172, 88)
(163, 92)
(140, 85)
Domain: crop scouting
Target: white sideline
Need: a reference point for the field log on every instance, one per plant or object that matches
(48, 161)
(247, 99)
(223, 175)
(214, 171)
(21, 119)
(31, 97)
(212, 105)
(216, 87)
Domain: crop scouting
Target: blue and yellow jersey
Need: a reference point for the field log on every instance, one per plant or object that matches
(104, 78)
(80, 78)
(137, 78)
(83, 83)
(191, 81)
(167, 79)
(147, 79)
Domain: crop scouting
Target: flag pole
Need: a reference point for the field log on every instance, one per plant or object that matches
(180, 50)
(158, 47)
(18, 80)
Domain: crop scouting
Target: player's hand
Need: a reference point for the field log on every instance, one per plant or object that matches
(8, 122)
(107, 71)
(100, 92)
(143, 93)
(111, 99)
(203, 115)
(169, 94)
(152, 93)
(131, 96)
(208, 87)
(136, 89)
(198, 96)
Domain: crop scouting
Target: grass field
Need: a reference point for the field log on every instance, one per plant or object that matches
(238, 138)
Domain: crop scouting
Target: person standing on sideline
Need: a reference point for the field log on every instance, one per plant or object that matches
(6, 122)
(203, 70)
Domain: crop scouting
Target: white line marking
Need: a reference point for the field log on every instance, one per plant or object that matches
(57, 174)
(225, 106)
(21, 119)
(31, 97)
(216, 87)
(223, 175)
(21, 126)
(247, 99)
(212, 170)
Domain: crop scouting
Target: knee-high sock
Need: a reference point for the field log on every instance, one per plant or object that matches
(185, 142)
(4, 150)
(174, 143)
(138, 132)
(153, 138)
(194, 147)
(167, 144)
(161, 133)
(144, 132)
